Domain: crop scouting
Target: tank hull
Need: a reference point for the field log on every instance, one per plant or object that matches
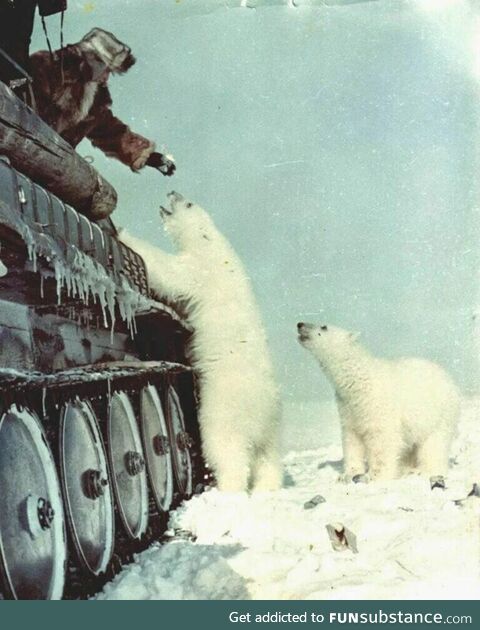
(99, 370)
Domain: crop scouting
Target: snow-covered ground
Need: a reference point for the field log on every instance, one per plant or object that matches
(413, 543)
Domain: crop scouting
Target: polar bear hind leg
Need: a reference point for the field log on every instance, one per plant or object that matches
(226, 452)
(266, 469)
(432, 454)
(353, 454)
(230, 465)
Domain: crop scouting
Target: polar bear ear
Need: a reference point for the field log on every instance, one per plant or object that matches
(354, 336)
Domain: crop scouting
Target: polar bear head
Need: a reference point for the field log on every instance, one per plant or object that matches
(329, 344)
(188, 225)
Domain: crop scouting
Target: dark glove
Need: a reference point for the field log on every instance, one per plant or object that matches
(163, 164)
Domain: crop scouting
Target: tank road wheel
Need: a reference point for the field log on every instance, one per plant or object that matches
(88, 495)
(128, 465)
(32, 525)
(157, 447)
(180, 442)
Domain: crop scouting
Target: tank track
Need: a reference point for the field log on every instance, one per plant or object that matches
(47, 395)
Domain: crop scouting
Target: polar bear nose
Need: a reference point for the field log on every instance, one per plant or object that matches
(174, 195)
(305, 329)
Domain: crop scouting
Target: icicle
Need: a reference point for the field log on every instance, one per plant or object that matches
(79, 276)
(129, 303)
(59, 280)
(112, 326)
(44, 401)
(31, 246)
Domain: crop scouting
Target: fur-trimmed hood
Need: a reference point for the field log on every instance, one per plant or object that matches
(114, 54)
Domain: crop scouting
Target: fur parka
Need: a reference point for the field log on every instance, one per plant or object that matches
(77, 107)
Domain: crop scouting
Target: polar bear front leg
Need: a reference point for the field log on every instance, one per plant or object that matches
(353, 454)
(383, 455)
(169, 275)
(231, 466)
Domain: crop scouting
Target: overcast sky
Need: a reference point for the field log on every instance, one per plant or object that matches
(335, 146)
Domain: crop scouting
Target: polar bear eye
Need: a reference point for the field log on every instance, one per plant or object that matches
(189, 204)
(323, 327)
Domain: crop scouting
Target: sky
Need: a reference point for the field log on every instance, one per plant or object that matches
(335, 146)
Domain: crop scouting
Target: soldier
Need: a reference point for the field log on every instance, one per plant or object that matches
(16, 25)
(72, 96)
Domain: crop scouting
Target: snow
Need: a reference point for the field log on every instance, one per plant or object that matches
(413, 543)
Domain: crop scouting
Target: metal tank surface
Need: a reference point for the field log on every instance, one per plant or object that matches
(98, 430)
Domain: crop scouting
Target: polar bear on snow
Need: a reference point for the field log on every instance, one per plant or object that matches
(395, 414)
(240, 409)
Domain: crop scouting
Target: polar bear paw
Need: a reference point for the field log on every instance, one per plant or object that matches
(354, 478)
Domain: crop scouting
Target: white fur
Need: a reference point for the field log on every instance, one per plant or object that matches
(395, 414)
(75, 111)
(239, 403)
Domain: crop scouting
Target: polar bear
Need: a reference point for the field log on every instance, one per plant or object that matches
(240, 410)
(395, 414)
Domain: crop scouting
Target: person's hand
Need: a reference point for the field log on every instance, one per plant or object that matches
(165, 165)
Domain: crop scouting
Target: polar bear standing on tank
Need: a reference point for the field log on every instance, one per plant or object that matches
(395, 414)
(239, 410)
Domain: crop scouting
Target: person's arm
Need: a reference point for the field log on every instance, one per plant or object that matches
(116, 139)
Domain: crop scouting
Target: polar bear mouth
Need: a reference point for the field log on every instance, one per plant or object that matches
(303, 331)
(174, 198)
(303, 337)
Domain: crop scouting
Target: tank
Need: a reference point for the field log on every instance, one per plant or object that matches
(98, 427)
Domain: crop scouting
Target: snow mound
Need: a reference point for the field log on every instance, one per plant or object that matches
(179, 570)
(413, 543)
